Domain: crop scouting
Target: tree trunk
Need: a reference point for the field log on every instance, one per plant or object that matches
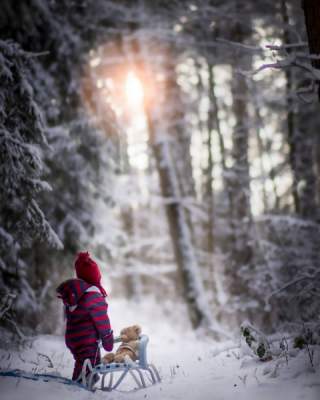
(163, 128)
(291, 118)
(300, 142)
(207, 242)
(259, 124)
(208, 190)
(181, 142)
(318, 165)
(239, 179)
(214, 115)
(132, 280)
(311, 10)
(214, 102)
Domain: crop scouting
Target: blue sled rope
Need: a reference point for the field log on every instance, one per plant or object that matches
(17, 373)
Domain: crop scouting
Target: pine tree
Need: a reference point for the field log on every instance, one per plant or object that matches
(22, 140)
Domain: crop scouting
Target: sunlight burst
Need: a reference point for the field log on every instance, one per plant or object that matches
(134, 89)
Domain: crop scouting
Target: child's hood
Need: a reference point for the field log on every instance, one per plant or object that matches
(72, 290)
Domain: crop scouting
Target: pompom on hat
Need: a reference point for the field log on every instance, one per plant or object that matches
(88, 270)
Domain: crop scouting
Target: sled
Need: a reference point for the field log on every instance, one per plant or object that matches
(137, 369)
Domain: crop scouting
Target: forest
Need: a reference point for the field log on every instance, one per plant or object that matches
(178, 142)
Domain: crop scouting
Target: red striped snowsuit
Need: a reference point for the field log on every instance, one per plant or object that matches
(87, 322)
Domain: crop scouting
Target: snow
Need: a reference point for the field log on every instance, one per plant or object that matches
(190, 368)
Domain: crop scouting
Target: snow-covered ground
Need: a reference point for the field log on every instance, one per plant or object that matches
(190, 368)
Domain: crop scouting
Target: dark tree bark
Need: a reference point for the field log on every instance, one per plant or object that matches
(291, 118)
(318, 165)
(180, 141)
(208, 184)
(163, 128)
(301, 142)
(132, 281)
(311, 10)
(259, 124)
(238, 181)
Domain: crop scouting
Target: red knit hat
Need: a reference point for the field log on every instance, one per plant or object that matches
(88, 270)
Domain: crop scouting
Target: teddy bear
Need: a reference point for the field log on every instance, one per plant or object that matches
(128, 350)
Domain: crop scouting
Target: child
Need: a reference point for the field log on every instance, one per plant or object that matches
(86, 314)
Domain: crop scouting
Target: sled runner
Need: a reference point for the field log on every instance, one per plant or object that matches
(137, 369)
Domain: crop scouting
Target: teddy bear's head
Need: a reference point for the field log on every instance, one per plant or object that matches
(130, 333)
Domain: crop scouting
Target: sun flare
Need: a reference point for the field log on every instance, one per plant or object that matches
(133, 89)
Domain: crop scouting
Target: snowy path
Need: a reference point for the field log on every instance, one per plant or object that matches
(189, 369)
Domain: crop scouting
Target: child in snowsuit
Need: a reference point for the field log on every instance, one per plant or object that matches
(86, 314)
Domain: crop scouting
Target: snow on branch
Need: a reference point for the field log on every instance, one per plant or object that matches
(255, 49)
(291, 59)
(293, 282)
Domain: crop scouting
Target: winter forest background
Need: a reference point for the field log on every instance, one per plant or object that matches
(177, 141)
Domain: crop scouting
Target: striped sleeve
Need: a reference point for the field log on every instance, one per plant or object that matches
(98, 310)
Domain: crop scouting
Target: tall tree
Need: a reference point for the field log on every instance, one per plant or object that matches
(311, 10)
(181, 140)
(239, 180)
(162, 125)
(22, 135)
(301, 141)
(47, 94)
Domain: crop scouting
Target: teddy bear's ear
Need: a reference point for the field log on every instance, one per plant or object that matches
(137, 329)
